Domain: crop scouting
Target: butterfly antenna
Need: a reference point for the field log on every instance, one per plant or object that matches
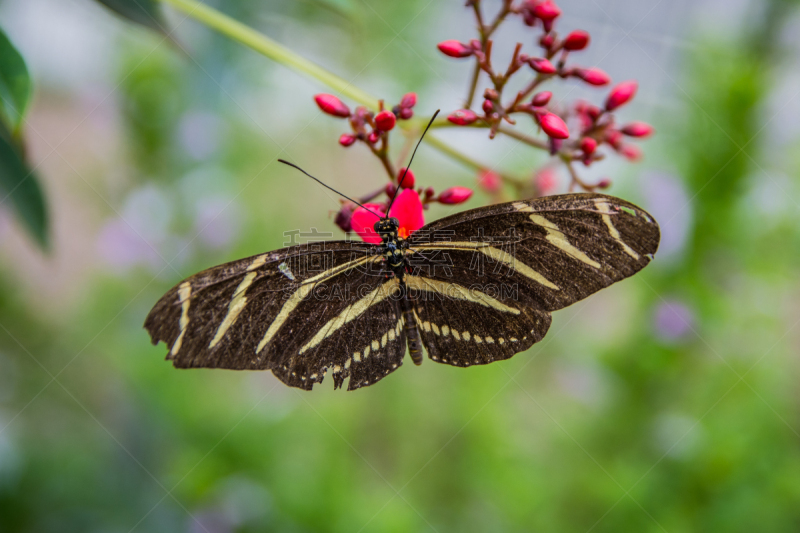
(328, 187)
(400, 183)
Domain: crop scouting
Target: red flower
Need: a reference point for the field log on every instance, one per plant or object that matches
(577, 40)
(408, 181)
(541, 99)
(385, 120)
(553, 126)
(455, 195)
(347, 139)
(454, 48)
(407, 209)
(621, 94)
(542, 65)
(593, 76)
(332, 105)
(462, 117)
(489, 181)
(638, 129)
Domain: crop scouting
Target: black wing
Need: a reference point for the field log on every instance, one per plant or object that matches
(499, 271)
(301, 312)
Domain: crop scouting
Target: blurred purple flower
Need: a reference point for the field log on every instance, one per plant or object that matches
(673, 320)
(216, 222)
(121, 247)
(199, 134)
(666, 199)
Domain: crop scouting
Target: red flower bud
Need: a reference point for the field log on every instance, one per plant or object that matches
(593, 76)
(489, 181)
(547, 41)
(577, 40)
(488, 107)
(343, 217)
(347, 139)
(546, 10)
(332, 105)
(385, 120)
(409, 100)
(455, 195)
(409, 180)
(406, 113)
(621, 94)
(553, 126)
(373, 137)
(614, 138)
(546, 181)
(390, 189)
(588, 146)
(454, 48)
(631, 152)
(604, 183)
(429, 192)
(638, 129)
(593, 112)
(462, 117)
(539, 64)
(541, 99)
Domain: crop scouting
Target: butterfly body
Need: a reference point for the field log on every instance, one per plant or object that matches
(469, 289)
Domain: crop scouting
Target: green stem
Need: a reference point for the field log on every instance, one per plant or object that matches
(273, 50)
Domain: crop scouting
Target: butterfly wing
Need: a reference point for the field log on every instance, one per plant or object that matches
(505, 267)
(299, 311)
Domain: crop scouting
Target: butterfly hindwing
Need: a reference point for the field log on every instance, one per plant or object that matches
(535, 255)
(259, 312)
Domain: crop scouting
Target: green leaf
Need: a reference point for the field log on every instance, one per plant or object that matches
(15, 84)
(144, 12)
(19, 186)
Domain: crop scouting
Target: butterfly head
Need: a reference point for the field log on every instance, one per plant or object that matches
(387, 228)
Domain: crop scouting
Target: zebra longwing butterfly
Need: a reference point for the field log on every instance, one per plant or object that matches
(469, 289)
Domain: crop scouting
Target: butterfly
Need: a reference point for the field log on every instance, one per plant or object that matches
(469, 289)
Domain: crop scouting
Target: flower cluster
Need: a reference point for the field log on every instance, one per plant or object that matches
(595, 126)
(573, 133)
(373, 130)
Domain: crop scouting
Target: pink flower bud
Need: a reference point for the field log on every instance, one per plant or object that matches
(347, 139)
(542, 65)
(638, 129)
(541, 99)
(429, 192)
(553, 126)
(373, 137)
(593, 112)
(462, 117)
(409, 181)
(455, 195)
(631, 152)
(454, 48)
(489, 181)
(577, 40)
(614, 138)
(593, 76)
(406, 113)
(488, 107)
(409, 100)
(588, 146)
(547, 41)
(604, 183)
(385, 120)
(546, 181)
(546, 10)
(621, 94)
(332, 105)
(390, 189)
(343, 217)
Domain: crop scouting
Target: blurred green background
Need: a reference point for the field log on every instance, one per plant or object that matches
(668, 402)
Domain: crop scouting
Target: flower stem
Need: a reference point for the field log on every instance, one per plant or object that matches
(272, 49)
